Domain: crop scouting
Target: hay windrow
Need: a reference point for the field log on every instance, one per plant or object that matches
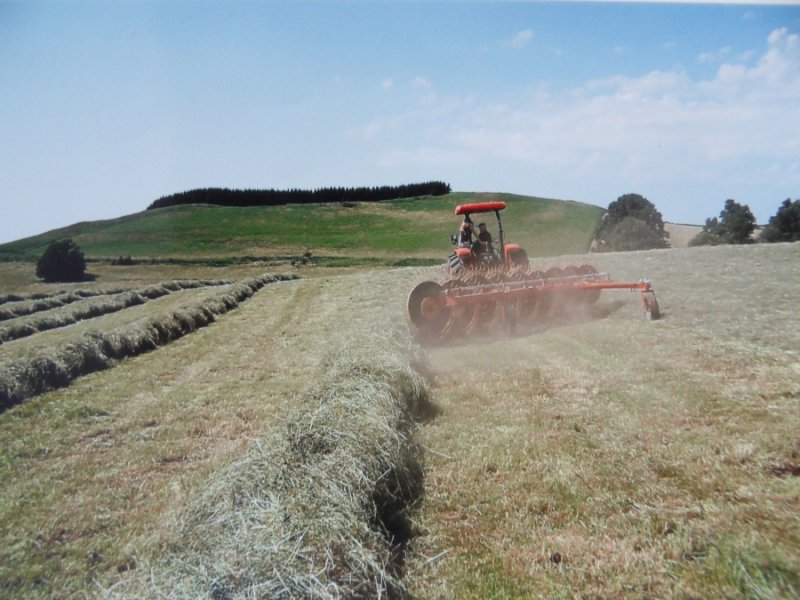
(56, 367)
(319, 507)
(117, 301)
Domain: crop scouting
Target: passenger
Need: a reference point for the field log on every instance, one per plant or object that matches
(484, 243)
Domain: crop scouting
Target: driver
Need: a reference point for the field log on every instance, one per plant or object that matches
(466, 233)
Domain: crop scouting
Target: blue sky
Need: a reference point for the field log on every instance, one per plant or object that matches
(107, 106)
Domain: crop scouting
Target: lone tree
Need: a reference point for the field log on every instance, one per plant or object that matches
(631, 223)
(735, 225)
(62, 261)
(784, 226)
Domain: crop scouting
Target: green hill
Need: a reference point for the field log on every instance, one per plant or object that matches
(415, 230)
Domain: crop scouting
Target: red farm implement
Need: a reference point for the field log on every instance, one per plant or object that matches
(484, 287)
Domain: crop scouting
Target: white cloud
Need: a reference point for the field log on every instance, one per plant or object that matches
(520, 39)
(663, 131)
(715, 56)
(420, 82)
(387, 83)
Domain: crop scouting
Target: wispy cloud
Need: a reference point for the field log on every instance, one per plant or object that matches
(664, 130)
(420, 82)
(716, 56)
(520, 39)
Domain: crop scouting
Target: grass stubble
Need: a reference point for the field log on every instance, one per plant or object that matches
(66, 309)
(319, 508)
(123, 485)
(617, 458)
(58, 365)
(605, 458)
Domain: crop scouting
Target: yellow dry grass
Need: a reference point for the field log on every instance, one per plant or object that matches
(94, 474)
(681, 235)
(611, 458)
(72, 331)
(618, 458)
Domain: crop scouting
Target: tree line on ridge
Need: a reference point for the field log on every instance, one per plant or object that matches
(272, 197)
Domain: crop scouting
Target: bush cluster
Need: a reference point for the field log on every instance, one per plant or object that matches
(784, 226)
(735, 225)
(62, 261)
(631, 223)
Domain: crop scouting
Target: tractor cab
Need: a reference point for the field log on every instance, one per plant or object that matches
(485, 250)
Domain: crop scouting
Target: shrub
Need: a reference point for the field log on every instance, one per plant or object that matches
(631, 223)
(632, 234)
(705, 238)
(784, 226)
(735, 225)
(62, 261)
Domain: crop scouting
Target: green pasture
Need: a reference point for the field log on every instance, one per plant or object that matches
(386, 232)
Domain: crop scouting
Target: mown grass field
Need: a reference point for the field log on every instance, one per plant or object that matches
(604, 457)
(617, 458)
(364, 233)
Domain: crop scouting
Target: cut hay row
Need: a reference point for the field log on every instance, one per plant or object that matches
(56, 367)
(316, 509)
(20, 306)
(14, 298)
(89, 310)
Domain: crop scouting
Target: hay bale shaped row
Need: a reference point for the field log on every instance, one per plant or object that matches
(57, 295)
(57, 367)
(21, 306)
(318, 508)
(121, 301)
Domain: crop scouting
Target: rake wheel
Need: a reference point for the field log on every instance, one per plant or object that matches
(426, 311)
(588, 296)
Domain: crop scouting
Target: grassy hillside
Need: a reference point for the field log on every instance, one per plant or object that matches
(380, 233)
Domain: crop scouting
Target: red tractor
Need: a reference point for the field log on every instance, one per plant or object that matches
(484, 286)
(481, 252)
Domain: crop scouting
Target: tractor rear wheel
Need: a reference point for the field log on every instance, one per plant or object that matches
(520, 258)
(455, 265)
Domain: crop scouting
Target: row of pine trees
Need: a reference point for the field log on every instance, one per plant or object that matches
(271, 197)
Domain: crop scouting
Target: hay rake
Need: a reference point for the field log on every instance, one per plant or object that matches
(486, 286)
(483, 299)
